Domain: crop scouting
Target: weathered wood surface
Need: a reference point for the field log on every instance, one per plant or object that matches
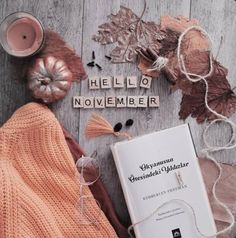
(77, 21)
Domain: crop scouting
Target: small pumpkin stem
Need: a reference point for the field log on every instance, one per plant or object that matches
(45, 81)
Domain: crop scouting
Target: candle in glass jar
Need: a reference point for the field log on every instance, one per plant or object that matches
(21, 34)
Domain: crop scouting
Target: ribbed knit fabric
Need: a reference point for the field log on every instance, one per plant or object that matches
(39, 187)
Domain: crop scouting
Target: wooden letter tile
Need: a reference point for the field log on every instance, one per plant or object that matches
(153, 101)
(78, 102)
(110, 101)
(106, 82)
(145, 81)
(88, 102)
(131, 82)
(118, 81)
(121, 101)
(99, 102)
(142, 101)
(132, 101)
(94, 82)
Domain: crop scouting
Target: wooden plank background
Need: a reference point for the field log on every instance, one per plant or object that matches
(77, 21)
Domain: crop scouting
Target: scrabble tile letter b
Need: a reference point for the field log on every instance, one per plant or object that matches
(132, 101)
(146, 81)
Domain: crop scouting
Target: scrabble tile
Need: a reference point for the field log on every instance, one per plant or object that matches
(88, 102)
(110, 101)
(121, 101)
(94, 82)
(78, 102)
(132, 101)
(142, 101)
(131, 81)
(106, 82)
(118, 81)
(153, 101)
(145, 81)
(99, 102)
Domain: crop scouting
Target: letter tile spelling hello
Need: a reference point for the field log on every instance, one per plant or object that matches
(119, 81)
(94, 82)
(145, 82)
(106, 82)
(131, 81)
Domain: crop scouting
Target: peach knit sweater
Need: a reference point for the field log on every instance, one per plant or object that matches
(39, 187)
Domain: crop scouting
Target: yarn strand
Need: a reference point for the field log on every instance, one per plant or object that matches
(192, 77)
(196, 78)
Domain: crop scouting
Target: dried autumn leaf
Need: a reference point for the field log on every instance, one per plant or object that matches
(130, 33)
(196, 62)
(193, 43)
(221, 97)
(177, 24)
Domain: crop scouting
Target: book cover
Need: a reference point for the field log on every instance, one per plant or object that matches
(157, 168)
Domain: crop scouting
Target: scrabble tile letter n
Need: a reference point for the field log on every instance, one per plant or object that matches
(94, 82)
(78, 102)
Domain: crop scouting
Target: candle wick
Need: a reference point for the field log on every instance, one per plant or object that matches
(24, 37)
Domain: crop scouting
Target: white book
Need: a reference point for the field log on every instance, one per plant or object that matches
(148, 167)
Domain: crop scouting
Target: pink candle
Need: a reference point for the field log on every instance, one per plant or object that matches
(21, 34)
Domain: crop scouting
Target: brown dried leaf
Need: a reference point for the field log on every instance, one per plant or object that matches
(193, 43)
(221, 97)
(195, 62)
(177, 24)
(130, 33)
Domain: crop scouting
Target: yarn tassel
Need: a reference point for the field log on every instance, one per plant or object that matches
(98, 126)
(158, 64)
